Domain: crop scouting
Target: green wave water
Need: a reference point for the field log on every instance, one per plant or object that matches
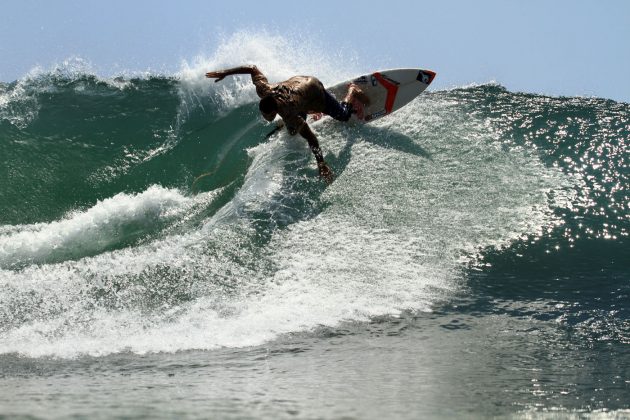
(151, 216)
(100, 220)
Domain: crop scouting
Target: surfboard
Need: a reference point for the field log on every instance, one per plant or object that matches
(388, 90)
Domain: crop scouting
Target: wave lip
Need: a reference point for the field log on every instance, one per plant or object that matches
(119, 219)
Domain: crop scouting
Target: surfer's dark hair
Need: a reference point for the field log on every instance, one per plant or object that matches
(268, 105)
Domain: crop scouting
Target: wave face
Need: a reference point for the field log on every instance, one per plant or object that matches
(106, 247)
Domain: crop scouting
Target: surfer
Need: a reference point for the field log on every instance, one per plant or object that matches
(293, 99)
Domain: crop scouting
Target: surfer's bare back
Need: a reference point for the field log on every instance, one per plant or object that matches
(293, 99)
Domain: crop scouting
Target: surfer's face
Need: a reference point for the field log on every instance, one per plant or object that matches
(269, 116)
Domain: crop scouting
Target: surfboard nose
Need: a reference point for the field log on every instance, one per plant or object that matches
(426, 76)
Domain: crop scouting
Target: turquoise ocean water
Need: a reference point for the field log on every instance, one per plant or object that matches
(471, 258)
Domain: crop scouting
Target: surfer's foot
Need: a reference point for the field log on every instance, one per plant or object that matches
(355, 93)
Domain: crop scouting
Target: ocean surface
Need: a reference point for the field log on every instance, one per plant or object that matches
(160, 258)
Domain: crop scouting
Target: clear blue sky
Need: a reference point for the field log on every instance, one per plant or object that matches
(557, 47)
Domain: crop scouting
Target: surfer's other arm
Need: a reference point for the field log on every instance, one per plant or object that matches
(324, 171)
(258, 78)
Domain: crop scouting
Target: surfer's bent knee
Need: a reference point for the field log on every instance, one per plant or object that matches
(341, 111)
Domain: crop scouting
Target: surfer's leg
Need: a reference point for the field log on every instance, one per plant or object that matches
(341, 111)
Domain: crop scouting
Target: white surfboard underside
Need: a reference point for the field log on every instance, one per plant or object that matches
(388, 91)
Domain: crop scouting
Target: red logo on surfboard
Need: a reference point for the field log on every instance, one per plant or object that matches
(392, 89)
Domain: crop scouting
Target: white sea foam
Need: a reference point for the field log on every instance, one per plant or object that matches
(382, 245)
(17, 105)
(421, 191)
(86, 232)
(277, 56)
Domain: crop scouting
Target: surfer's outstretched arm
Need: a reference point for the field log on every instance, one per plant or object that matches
(324, 171)
(258, 78)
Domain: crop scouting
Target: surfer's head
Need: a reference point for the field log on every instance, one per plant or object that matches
(268, 108)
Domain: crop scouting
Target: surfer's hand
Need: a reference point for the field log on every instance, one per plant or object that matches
(325, 172)
(219, 75)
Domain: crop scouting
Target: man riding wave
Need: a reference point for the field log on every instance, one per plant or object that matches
(294, 99)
